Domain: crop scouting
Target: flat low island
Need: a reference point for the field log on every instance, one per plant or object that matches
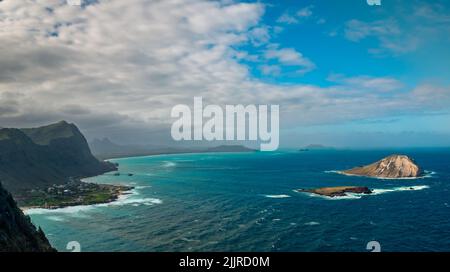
(337, 191)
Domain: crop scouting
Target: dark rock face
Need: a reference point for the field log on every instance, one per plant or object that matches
(17, 233)
(337, 191)
(394, 166)
(40, 157)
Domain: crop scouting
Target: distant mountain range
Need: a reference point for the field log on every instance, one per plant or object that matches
(40, 157)
(106, 149)
(315, 147)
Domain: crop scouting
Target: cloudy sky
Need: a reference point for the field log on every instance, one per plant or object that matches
(344, 73)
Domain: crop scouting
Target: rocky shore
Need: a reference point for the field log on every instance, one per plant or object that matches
(337, 191)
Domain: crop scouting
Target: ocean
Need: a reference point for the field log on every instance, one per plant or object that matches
(246, 202)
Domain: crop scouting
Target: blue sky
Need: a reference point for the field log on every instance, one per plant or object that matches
(343, 73)
(404, 40)
(320, 34)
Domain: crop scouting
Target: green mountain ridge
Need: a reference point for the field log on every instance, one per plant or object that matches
(40, 157)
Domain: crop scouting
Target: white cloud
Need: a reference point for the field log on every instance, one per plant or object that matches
(286, 18)
(290, 57)
(368, 83)
(413, 27)
(302, 14)
(305, 12)
(432, 12)
(118, 67)
(388, 32)
(272, 70)
(134, 58)
(260, 35)
(357, 30)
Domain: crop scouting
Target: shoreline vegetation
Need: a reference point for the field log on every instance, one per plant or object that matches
(75, 193)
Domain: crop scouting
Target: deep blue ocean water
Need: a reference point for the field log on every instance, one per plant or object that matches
(246, 202)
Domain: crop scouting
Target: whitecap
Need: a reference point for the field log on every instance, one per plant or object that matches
(400, 189)
(122, 201)
(128, 198)
(142, 187)
(312, 223)
(190, 240)
(168, 164)
(350, 196)
(66, 210)
(277, 196)
(55, 218)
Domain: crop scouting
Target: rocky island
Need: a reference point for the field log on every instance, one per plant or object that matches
(315, 147)
(394, 166)
(337, 191)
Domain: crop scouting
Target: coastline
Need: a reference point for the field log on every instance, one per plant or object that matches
(117, 191)
(129, 215)
(97, 194)
(116, 157)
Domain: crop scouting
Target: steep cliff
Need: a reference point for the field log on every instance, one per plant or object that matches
(40, 157)
(17, 233)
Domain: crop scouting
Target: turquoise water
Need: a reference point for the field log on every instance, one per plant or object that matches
(246, 202)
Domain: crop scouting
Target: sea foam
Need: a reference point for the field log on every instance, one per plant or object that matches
(168, 164)
(277, 196)
(77, 211)
(399, 189)
(351, 196)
